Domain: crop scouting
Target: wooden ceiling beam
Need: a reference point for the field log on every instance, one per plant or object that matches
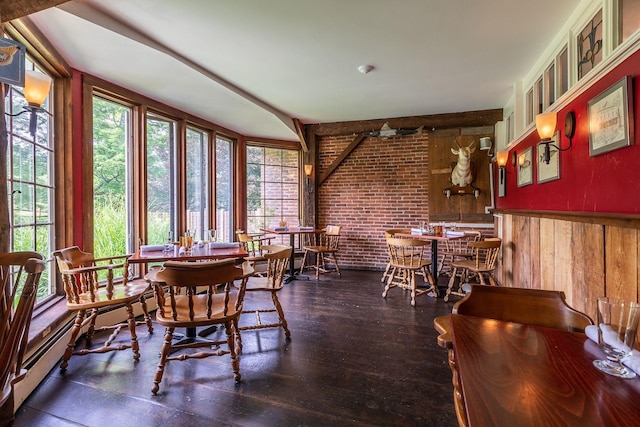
(437, 121)
(13, 9)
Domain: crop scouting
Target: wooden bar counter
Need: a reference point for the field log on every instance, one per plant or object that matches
(513, 374)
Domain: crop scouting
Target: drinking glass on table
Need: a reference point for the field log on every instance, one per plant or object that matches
(169, 245)
(212, 235)
(617, 331)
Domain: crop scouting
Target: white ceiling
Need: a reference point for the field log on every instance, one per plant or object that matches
(252, 65)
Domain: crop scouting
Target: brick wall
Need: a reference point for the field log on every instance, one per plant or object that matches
(382, 184)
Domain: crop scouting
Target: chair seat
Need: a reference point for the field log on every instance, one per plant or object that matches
(199, 310)
(121, 294)
(407, 263)
(470, 264)
(256, 283)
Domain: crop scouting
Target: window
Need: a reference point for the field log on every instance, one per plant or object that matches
(30, 178)
(549, 85)
(112, 211)
(197, 185)
(629, 18)
(589, 43)
(562, 72)
(161, 179)
(272, 187)
(224, 190)
(529, 107)
(539, 102)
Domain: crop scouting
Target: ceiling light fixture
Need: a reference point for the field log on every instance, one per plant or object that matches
(365, 69)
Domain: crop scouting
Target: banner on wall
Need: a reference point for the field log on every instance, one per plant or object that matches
(12, 62)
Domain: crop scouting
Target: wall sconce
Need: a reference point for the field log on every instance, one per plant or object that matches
(36, 90)
(501, 158)
(546, 127)
(485, 145)
(307, 171)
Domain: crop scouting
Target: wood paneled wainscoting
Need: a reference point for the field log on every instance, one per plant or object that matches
(585, 255)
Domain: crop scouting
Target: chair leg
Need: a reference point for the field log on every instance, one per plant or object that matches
(482, 282)
(390, 284)
(75, 330)
(235, 358)
(238, 337)
(386, 272)
(319, 261)
(147, 318)
(335, 261)
(135, 346)
(164, 353)
(304, 261)
(92, 324)
(412, 281)
(452, 281)
(492, 280)
(283, 321)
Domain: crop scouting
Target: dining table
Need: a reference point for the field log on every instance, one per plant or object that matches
(515, 374)
(157, 254)
(292, 232)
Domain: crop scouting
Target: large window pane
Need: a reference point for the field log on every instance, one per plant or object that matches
(111, 209)
(30, 181)
(272, 188)
(161, 182)
(197, 183)
(224, 214)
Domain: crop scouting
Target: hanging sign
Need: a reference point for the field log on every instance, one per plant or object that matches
(12, 57)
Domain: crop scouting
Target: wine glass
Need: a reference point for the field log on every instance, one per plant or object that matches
(617, 331)
(212, 235)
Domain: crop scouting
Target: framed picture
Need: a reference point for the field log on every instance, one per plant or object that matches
(609, 124)
(548, 171)
(525, 167)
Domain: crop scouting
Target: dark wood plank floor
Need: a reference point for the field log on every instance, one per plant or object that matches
(354, 359)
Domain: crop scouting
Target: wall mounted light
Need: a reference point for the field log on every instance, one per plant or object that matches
(546, 127)
(36, 90)
(502, 157)
(307, 171)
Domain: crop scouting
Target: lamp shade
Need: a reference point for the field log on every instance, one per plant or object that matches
(36, 88)
(308, 169)
(502, 157)
(546, 124)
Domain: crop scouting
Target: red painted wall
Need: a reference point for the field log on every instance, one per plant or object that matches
(608, 183)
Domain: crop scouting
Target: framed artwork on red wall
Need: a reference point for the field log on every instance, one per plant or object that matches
(548, 171)
(609, 124)
(525, 167)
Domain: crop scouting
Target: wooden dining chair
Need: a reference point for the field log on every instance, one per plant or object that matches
(254, 245)
(390, 233)
(325, 246)
(482, 262)
(457, 249)
(182, 304)
(19, 274)
(271, 282)
(90, 286)
(529, 306)
(407, 260)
